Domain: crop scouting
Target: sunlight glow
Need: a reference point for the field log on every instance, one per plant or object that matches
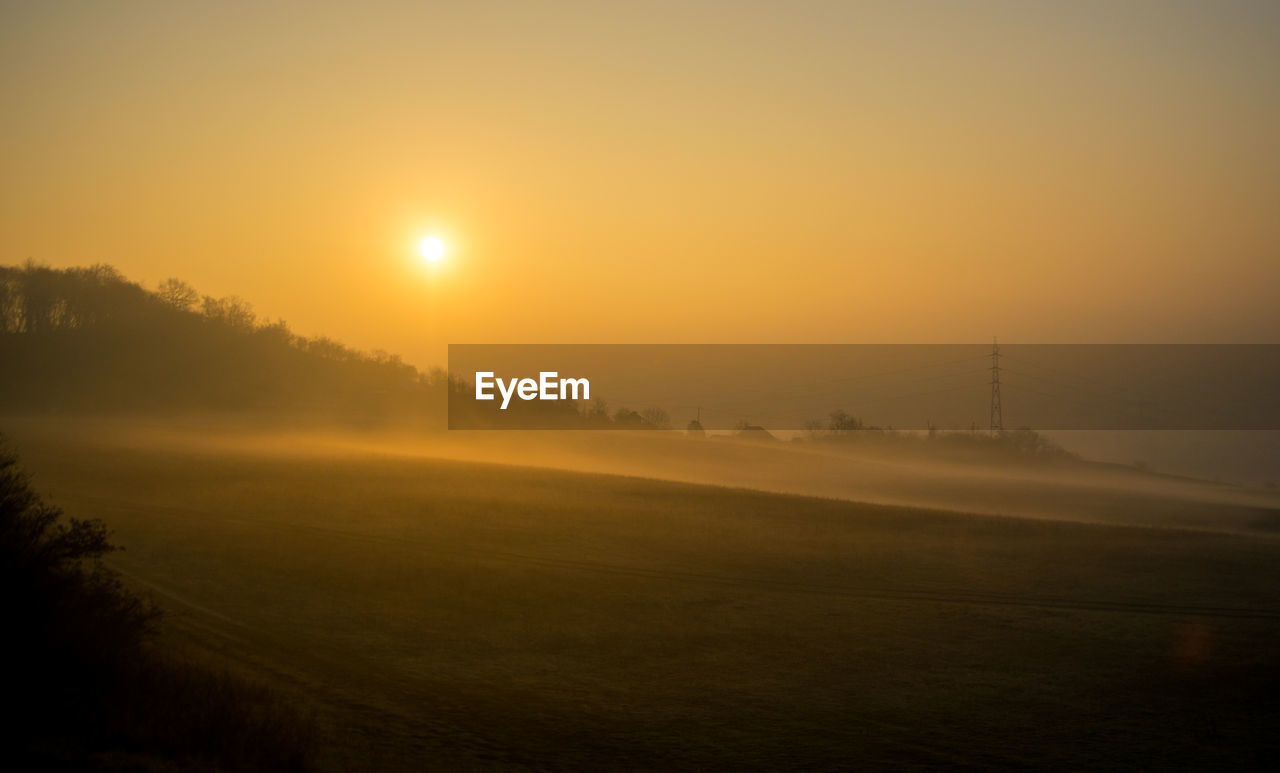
(433, 249)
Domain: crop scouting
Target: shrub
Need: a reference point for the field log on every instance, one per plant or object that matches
(85, 674)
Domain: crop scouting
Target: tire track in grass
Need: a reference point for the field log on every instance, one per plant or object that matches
(312, 672)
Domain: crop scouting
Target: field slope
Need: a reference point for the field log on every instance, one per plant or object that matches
(445, 614)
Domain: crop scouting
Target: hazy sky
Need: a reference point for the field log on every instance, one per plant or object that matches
(686, 171)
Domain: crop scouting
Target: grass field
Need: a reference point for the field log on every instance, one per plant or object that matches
(445, 614)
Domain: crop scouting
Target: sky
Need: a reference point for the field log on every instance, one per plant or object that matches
(695, 172)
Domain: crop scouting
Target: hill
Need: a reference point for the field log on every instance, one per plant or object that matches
(456, 615)
(88, 340)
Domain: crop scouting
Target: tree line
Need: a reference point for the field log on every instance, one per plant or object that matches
(89, 339)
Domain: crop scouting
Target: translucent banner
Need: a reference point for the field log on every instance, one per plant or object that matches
(857, 386)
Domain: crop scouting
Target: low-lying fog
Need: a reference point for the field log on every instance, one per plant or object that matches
(905, 474)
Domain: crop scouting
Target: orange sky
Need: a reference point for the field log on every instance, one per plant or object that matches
(695, 172)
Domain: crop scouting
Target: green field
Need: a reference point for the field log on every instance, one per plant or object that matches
(445, 614)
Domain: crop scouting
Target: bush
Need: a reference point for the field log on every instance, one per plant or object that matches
(83, 671)
(69, 621)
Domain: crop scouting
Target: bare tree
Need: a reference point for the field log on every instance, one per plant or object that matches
(841, 422)
(656, 418)
(231, 311)
(178, 294)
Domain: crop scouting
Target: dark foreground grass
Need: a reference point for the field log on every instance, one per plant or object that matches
(174, 711)
(442, 615)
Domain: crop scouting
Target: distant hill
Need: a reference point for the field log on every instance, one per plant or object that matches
(89, 340)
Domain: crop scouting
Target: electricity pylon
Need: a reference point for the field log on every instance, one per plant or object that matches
(997, 414)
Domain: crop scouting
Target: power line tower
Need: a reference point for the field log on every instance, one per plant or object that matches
(997, 414)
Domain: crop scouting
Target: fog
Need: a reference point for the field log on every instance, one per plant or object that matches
(904, 474)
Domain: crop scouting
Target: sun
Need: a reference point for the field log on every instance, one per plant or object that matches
(432, 249)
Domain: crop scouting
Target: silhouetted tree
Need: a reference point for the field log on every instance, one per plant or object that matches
(597, 414)
(66, 616)
(178, 294)
(231, 311)
(841, 422)
(81, 677)
(656, 418)
(625, 417)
